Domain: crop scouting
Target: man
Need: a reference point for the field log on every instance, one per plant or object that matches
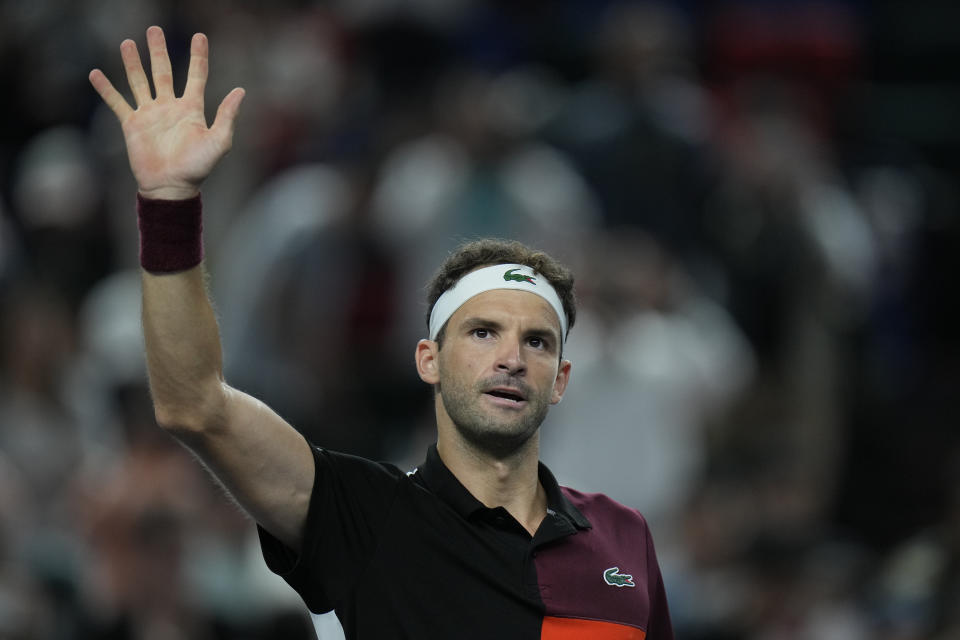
(480, 541)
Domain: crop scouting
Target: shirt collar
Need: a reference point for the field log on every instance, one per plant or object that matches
(440, 480)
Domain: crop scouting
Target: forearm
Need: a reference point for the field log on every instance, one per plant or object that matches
(184, 360)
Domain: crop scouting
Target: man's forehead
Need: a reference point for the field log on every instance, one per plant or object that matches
(504, 304)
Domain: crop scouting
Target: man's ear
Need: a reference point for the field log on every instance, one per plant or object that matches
(427, 358)
(560, 384)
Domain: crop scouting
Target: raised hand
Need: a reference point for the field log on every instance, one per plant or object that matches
(170, 148)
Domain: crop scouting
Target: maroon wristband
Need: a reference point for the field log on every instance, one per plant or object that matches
(171, 234)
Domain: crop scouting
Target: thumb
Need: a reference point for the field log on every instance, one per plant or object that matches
(223, 123)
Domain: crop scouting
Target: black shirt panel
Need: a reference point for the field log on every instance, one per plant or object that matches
(397, 560)
(354, 494)
(438, 575)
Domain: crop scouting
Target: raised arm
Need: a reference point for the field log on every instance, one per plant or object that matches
(265, 464)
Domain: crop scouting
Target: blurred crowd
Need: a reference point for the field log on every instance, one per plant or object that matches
(760, 201)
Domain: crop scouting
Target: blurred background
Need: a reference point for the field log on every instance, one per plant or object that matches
(760, 201)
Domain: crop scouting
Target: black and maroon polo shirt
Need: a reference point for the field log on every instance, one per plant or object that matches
(416, 556)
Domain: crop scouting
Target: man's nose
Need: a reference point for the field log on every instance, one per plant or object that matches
(510, 357)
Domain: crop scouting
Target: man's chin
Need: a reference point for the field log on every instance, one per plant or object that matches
(500, 442)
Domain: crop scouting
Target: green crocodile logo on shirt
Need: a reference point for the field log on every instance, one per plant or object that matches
(614, 578)
(518, 277)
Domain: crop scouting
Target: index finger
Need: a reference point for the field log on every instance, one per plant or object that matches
(110, 95)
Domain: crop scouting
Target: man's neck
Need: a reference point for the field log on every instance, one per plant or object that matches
(512, 482)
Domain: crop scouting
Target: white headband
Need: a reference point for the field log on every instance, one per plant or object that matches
(501, 276)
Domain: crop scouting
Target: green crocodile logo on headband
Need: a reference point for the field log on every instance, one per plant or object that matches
(518, 277)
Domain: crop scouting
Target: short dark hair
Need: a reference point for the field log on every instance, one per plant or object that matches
(490, 251)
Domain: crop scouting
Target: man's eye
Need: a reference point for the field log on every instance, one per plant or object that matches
(480, 333)
(537, 343)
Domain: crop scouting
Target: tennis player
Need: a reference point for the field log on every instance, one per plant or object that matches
(478, 542)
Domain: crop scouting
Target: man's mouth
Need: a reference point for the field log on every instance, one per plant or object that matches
(512, 395)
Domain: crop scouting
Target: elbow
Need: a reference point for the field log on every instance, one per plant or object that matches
(193, 415)
(178, 421)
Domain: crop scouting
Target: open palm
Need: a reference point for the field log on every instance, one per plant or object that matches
(170, 148)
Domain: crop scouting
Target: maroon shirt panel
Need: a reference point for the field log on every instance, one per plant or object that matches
(608, 572)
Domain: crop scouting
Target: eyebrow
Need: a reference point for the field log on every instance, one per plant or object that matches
(474, 322)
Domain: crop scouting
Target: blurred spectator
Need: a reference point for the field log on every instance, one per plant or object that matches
(326, 352)
(480, 171)
(636, 124)
(39, 433)
(657, 363)
(56, 197)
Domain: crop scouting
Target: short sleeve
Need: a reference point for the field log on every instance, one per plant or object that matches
(349, 505)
